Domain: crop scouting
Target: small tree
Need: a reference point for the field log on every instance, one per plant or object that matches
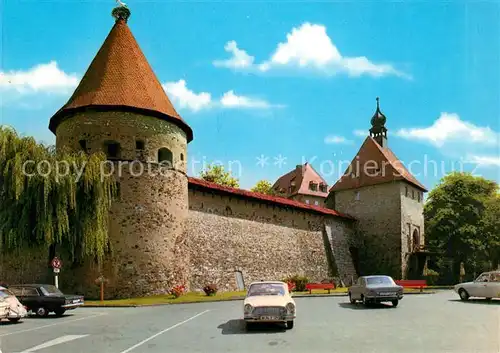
(264, 187)
(217, 174)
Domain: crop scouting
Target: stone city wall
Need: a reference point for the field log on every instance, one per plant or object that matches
(227, 234)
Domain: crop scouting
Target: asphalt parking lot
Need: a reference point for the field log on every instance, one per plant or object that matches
(421, 323)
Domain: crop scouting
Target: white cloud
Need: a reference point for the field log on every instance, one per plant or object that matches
(308, 47)
(231, 100)
(484, 160)
(240, 58)
(48, 78)
(448, 129)
(40, 78)
(361, 133)
(335, 139)
(185, 98)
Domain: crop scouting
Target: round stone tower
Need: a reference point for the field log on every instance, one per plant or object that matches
(120, 108)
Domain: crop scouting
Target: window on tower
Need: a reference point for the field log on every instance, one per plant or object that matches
(83, 145)
(112, 149)
(139, 145)
(165, 156)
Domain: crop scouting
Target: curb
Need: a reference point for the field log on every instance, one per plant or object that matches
(229, 300)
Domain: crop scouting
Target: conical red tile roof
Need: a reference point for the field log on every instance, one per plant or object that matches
(120, 78)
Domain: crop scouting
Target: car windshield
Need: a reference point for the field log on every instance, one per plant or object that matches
(379, 280)
(483, 277)
(266, 289)
(4, 293)
(50, 290)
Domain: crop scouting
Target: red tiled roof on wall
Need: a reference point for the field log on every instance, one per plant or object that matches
(276, 200)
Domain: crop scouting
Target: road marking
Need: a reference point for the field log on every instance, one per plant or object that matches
(57, 323)
(159, 333)
(62, 339)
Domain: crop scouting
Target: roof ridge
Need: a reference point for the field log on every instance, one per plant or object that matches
(268, 198)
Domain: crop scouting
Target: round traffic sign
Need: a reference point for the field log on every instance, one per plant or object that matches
(56, 263)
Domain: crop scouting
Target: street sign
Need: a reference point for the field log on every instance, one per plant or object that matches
(56, 263)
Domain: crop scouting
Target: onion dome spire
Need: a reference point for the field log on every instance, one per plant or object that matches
(378, 118)
(121, 12)
(378, 130)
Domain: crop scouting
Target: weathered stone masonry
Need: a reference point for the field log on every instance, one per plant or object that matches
(227, 233)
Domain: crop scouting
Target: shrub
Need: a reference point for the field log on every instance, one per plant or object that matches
(298, 281)
(210, 289)
(177, 291)
(431, 276)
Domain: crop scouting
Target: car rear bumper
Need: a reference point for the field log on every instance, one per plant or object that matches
(379, 299)
(17, 315)
(71, 306)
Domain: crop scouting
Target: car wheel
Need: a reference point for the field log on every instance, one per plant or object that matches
(42, 312)
(463, 294)
(353, 301)
(395, 302)
(60, 311)
(289, 324)
(15, 319)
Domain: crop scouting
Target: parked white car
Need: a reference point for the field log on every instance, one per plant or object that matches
(486, 285)
(269, 302)
(10, 306)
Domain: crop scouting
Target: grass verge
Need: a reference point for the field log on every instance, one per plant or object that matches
(196, 297)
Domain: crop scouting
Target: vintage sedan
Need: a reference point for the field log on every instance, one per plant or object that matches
(45, 298)
(14, 310)
(375, 289)
(269, 301)
(486, 285)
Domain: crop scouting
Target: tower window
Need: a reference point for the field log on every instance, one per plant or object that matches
(413, 194)
(182, 156)
(139, 144)
(313, 186)
(406, 191)
(165, 156)
(83, 145)
(418, 196)
(112, 149)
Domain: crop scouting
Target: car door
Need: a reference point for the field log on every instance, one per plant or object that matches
(493, 286)
(356, 291)
(31, 297)
(479, 287)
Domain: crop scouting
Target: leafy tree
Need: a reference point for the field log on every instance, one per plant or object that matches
(217, 174)
(41, 207)
(459, 216)
(491, 227)
(264, 187)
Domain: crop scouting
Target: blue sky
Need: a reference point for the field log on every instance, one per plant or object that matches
(290, 79)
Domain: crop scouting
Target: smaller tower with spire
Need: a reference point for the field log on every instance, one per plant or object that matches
(378, 130)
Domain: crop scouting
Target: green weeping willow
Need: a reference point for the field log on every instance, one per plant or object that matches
(52, 197)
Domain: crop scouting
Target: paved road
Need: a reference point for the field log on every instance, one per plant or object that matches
(435, 323)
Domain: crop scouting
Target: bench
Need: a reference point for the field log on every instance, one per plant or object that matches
(413, 283)
(326, 286)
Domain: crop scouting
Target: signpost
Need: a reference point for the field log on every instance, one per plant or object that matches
(100, 281)
(56, 264)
